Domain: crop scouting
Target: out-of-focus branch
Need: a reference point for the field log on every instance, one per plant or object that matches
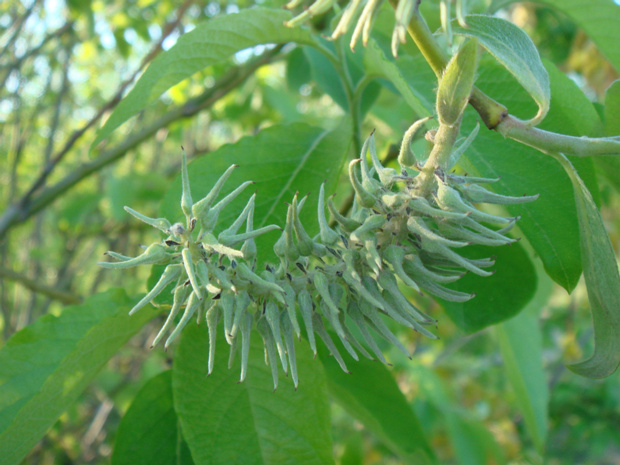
(55, 160)
(39, 288)
(26, 207)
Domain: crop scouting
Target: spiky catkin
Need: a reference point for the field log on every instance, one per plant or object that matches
(398, 230)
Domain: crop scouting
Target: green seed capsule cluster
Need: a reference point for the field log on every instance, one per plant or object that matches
(404, 226)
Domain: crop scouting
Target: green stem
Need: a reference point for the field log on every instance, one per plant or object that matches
(491, 112)
(495, 115)
(547, 141)
(353, 99)
(439, 157)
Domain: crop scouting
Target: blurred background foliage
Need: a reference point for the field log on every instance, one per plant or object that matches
(64, 65)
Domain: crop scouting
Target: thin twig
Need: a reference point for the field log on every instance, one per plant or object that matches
(40, 288)
(22, 210)
(55, 160)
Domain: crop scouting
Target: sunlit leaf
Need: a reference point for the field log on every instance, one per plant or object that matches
(246, 424)
(600, 270)
(149, 431)
(45, 366)
(209, 43)
(370, 394)
(513, 48)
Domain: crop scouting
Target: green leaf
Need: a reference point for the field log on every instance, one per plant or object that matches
(282, 160)
(513, 48)
(550, 223)
(149, 432)
(610, 166)
(45, 366)
(377, 63)
(456, 83)
(599, 19)
(498, 297)
(209, 43)
(600, 270)
(326, 76)
(297, 69)
(520, 341)
(370, 394)
(245, 424)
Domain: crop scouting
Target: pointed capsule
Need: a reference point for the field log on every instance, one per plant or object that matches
(155, 254)
(272, 314)
(363, 197)
(289, 341)
(209, 219)
(357, 285)
(321, 284)
(192, 304)
(398, 301)
(289, 298)
(262, 285)
(368, 228)
(186, 196)
(371, 285)
(334, 320)
(348, 224)
(213, 318)
(319, 328)
(246, 329)
(440, 249)
(305, 307)
(285, 247)
(200, 208)
(415, 268)
(180, 294)
(479, 194)
(421, 205)
(357, 317)
(449, 198)
(242, 302)
(456, 154)
(170, 274)
(234, 227)
(370, 184)
(190, 270)
(386, 175)
(395, 256)
(416, 324)
(117, 256)
(160, 223)
(445, 293)
(471, 179)
(304, 242)
(270, 350)
(211, 244)
(379, 326)
(417, 226)
(459, 232)
(327, 234)
(222, 278)
(373, 259)
(406, 157)
(226, 303)
(228, 241)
